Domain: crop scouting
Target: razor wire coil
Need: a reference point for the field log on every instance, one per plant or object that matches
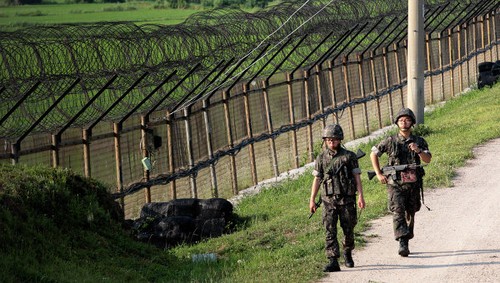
(55, 55)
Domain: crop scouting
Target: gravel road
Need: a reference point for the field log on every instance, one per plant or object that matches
(457, 241)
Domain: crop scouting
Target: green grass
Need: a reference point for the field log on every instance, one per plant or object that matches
(48, 236)
(138, 12)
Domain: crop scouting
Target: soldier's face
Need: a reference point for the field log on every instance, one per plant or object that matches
(405, 123)
(332, 143)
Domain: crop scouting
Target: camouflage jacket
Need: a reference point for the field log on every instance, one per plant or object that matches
(397, 148)
(336, 169)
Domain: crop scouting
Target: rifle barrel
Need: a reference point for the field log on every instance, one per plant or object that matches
(393, 168)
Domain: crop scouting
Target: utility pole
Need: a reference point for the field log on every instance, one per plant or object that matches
(415, 68)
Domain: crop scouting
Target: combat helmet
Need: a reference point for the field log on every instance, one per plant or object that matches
(333, 131)
(405, 112)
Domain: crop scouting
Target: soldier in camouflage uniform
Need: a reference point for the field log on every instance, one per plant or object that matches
(336, 168)
(404, 197)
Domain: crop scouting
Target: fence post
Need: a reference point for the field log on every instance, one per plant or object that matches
(488, 33)
(308, 115)
(118, 162)
(440, 53)
(474, 40)
(248, 120)
(14, 149)
(398, 73)
(466, 51)
(208, 132)
(227, 116)
(387, 81)
(145, 154)
(291, 112)
(494, 21)
(86, 152)
(405, 58)
(363, 93)
(56, 141)
(170, 155)
(272, 144)
(459, 57)
(450, 56)
(348, 94)
(189, 144)
(332, 88)
(428, 37)
(375, 87)
(320, 98)
(483, 45)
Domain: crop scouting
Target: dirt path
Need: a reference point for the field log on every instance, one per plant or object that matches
(457, 241)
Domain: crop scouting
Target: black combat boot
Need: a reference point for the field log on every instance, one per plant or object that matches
(332, 266)
(403, 247)
(348, 259)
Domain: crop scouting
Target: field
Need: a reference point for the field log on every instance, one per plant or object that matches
(13, 17)
(58, 12)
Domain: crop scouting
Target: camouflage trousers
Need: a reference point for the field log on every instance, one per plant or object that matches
(346, 215)
(404, 202)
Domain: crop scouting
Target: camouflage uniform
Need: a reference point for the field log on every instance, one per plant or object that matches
(338, 194)
(404, 199)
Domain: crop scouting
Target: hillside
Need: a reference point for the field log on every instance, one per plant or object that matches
(56, 226)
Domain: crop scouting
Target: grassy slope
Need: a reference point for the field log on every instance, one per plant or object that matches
(51, 232)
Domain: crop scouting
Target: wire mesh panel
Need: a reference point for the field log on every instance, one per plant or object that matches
(35, 150)
(204, 184)
(157, 147)
(71, 156)
(224, 177)
(37, 158)
(102, 161)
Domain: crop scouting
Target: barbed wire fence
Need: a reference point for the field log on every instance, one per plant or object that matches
(199, 110)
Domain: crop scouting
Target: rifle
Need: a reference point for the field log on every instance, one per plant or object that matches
(390, 171)
(359, 154)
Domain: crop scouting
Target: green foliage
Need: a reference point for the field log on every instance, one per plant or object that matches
(36, 13)
(422, 130)
(64, 197)
(177, 4)
(119, 9)
(457, 127)
(58, 226)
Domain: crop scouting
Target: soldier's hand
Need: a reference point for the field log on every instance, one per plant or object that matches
(361, 202)
(414, 147)
(382, 178)
(312, 206)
